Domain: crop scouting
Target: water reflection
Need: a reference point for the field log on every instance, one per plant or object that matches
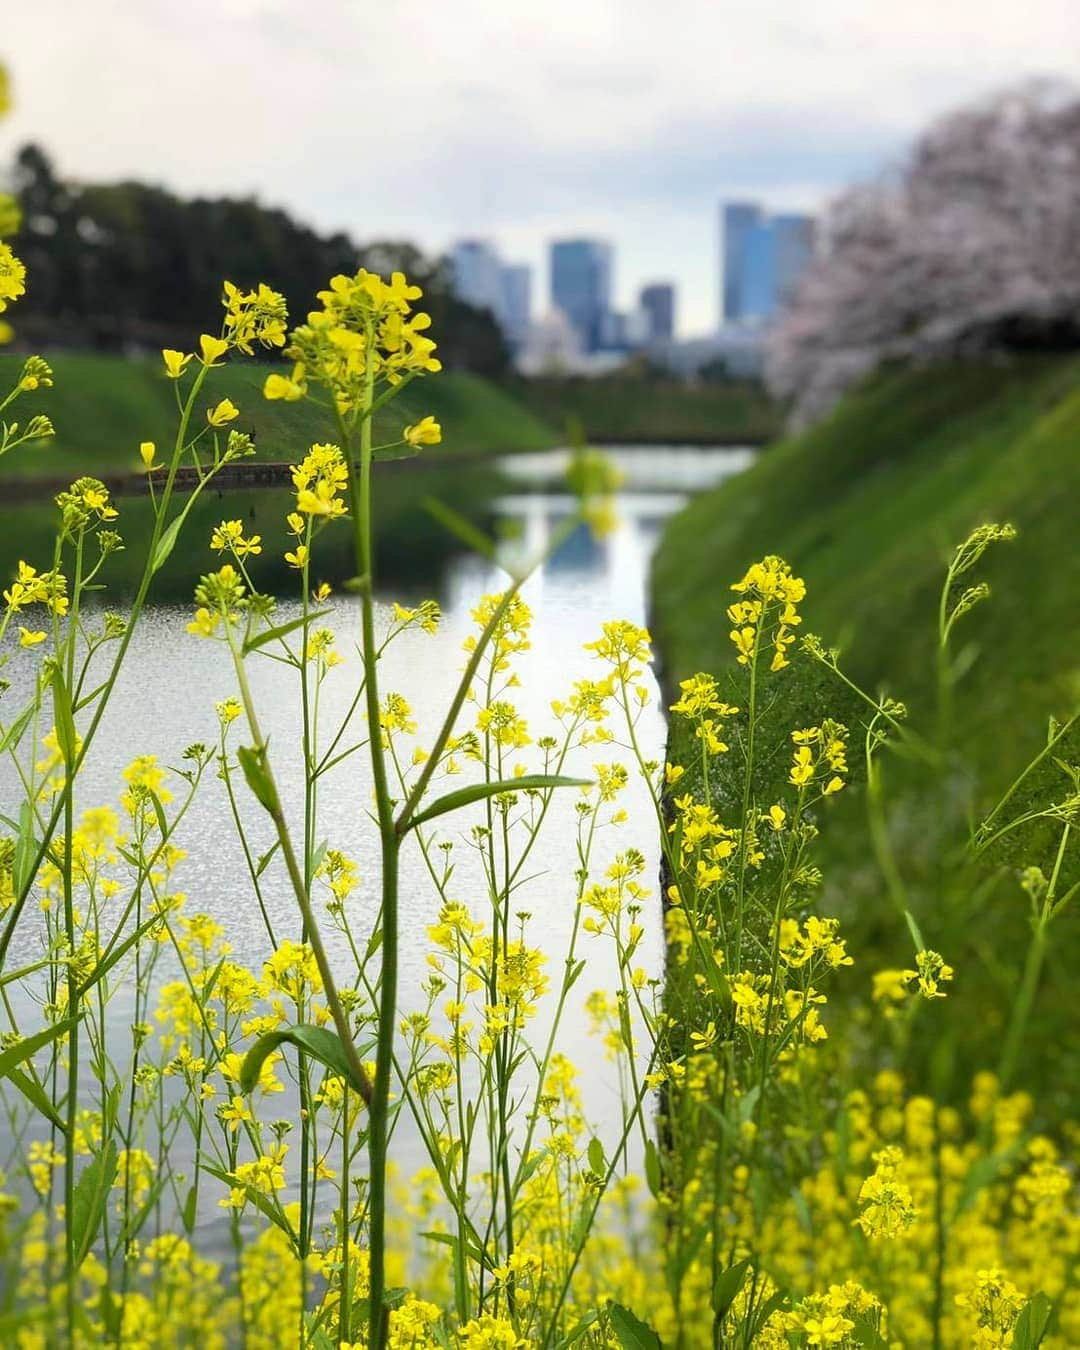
(165, 699)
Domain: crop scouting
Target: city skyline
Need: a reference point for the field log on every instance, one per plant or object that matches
(581, 130)
(760, 258)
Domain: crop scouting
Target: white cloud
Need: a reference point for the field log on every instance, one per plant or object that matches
(630, 118)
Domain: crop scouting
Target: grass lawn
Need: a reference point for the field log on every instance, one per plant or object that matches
(866, 507)
(628, 410)
(103, 406)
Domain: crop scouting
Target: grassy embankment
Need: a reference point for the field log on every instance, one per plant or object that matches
(103, 406)
(622, 409)
(867, 507)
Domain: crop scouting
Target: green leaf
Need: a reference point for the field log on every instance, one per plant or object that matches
(765, 1310)
(575, 974)
(188, 1213)
(1033, 1323)
(253, 764)
(167, 543)
(577, 1332)
(159, 813)
(13, 976)
(260, 1201)
(26, 850)
(66, 737)
(632, 1332)
(450, 1240)
(453, 801)
(252, 644)
(726, 1287)
(14, 734)
(399, 450)
(91, 1193)
(318, 1042)
(35, 1095)
(9, 1059)
(117, 953)
(597, 1165)
(653, 1175)
(461, 528)
(264, 861)
(913, 929)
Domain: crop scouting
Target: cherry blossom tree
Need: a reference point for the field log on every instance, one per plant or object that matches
(972, 245)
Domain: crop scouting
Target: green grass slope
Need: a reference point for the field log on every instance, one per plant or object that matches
(622, 409)
(103, 406)
(867, 507)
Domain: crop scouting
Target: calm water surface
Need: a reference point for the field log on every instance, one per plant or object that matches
(165, 700)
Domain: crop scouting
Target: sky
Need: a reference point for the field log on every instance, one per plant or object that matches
(517, 121)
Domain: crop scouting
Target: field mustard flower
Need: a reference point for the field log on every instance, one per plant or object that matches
(211, 348)
(175, 362)
(425, 432)
(224, 412)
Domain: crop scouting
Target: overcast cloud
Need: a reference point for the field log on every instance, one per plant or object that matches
(520, 121)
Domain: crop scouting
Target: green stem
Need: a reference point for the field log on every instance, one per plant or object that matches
(1029, 983)
(360, 498)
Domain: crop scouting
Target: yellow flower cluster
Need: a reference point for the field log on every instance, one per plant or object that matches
(319, 479)
(769, 613)
(820, 753)
(32, 587)
(365, 331)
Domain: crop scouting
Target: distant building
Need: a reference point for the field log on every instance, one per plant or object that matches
(481, 279)
(477, 274)
(657, 304)
(553, 348)
(757, 279)
(763, 259)
(793, 251)
(516, 303)
(613, 331)
(581, 287)
(738, 221)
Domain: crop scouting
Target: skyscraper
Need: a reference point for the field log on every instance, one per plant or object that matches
(757, 273)
(738, 221)
(516, 303)
(657, 302)
(793, 248)
(763, 259)
(581, 286)
(477, 274)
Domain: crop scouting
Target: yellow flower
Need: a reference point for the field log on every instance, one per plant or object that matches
(28, 639)
(888, 1209)
(322, 502)
(212, 348)
(299, 558)
(281, 387)
(174, 362)
(147, 450)
(226, 411)
(425, 432)
(12, 277)
(229, 534)
(204, 622)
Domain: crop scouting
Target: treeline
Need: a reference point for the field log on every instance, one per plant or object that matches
(129, 266)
